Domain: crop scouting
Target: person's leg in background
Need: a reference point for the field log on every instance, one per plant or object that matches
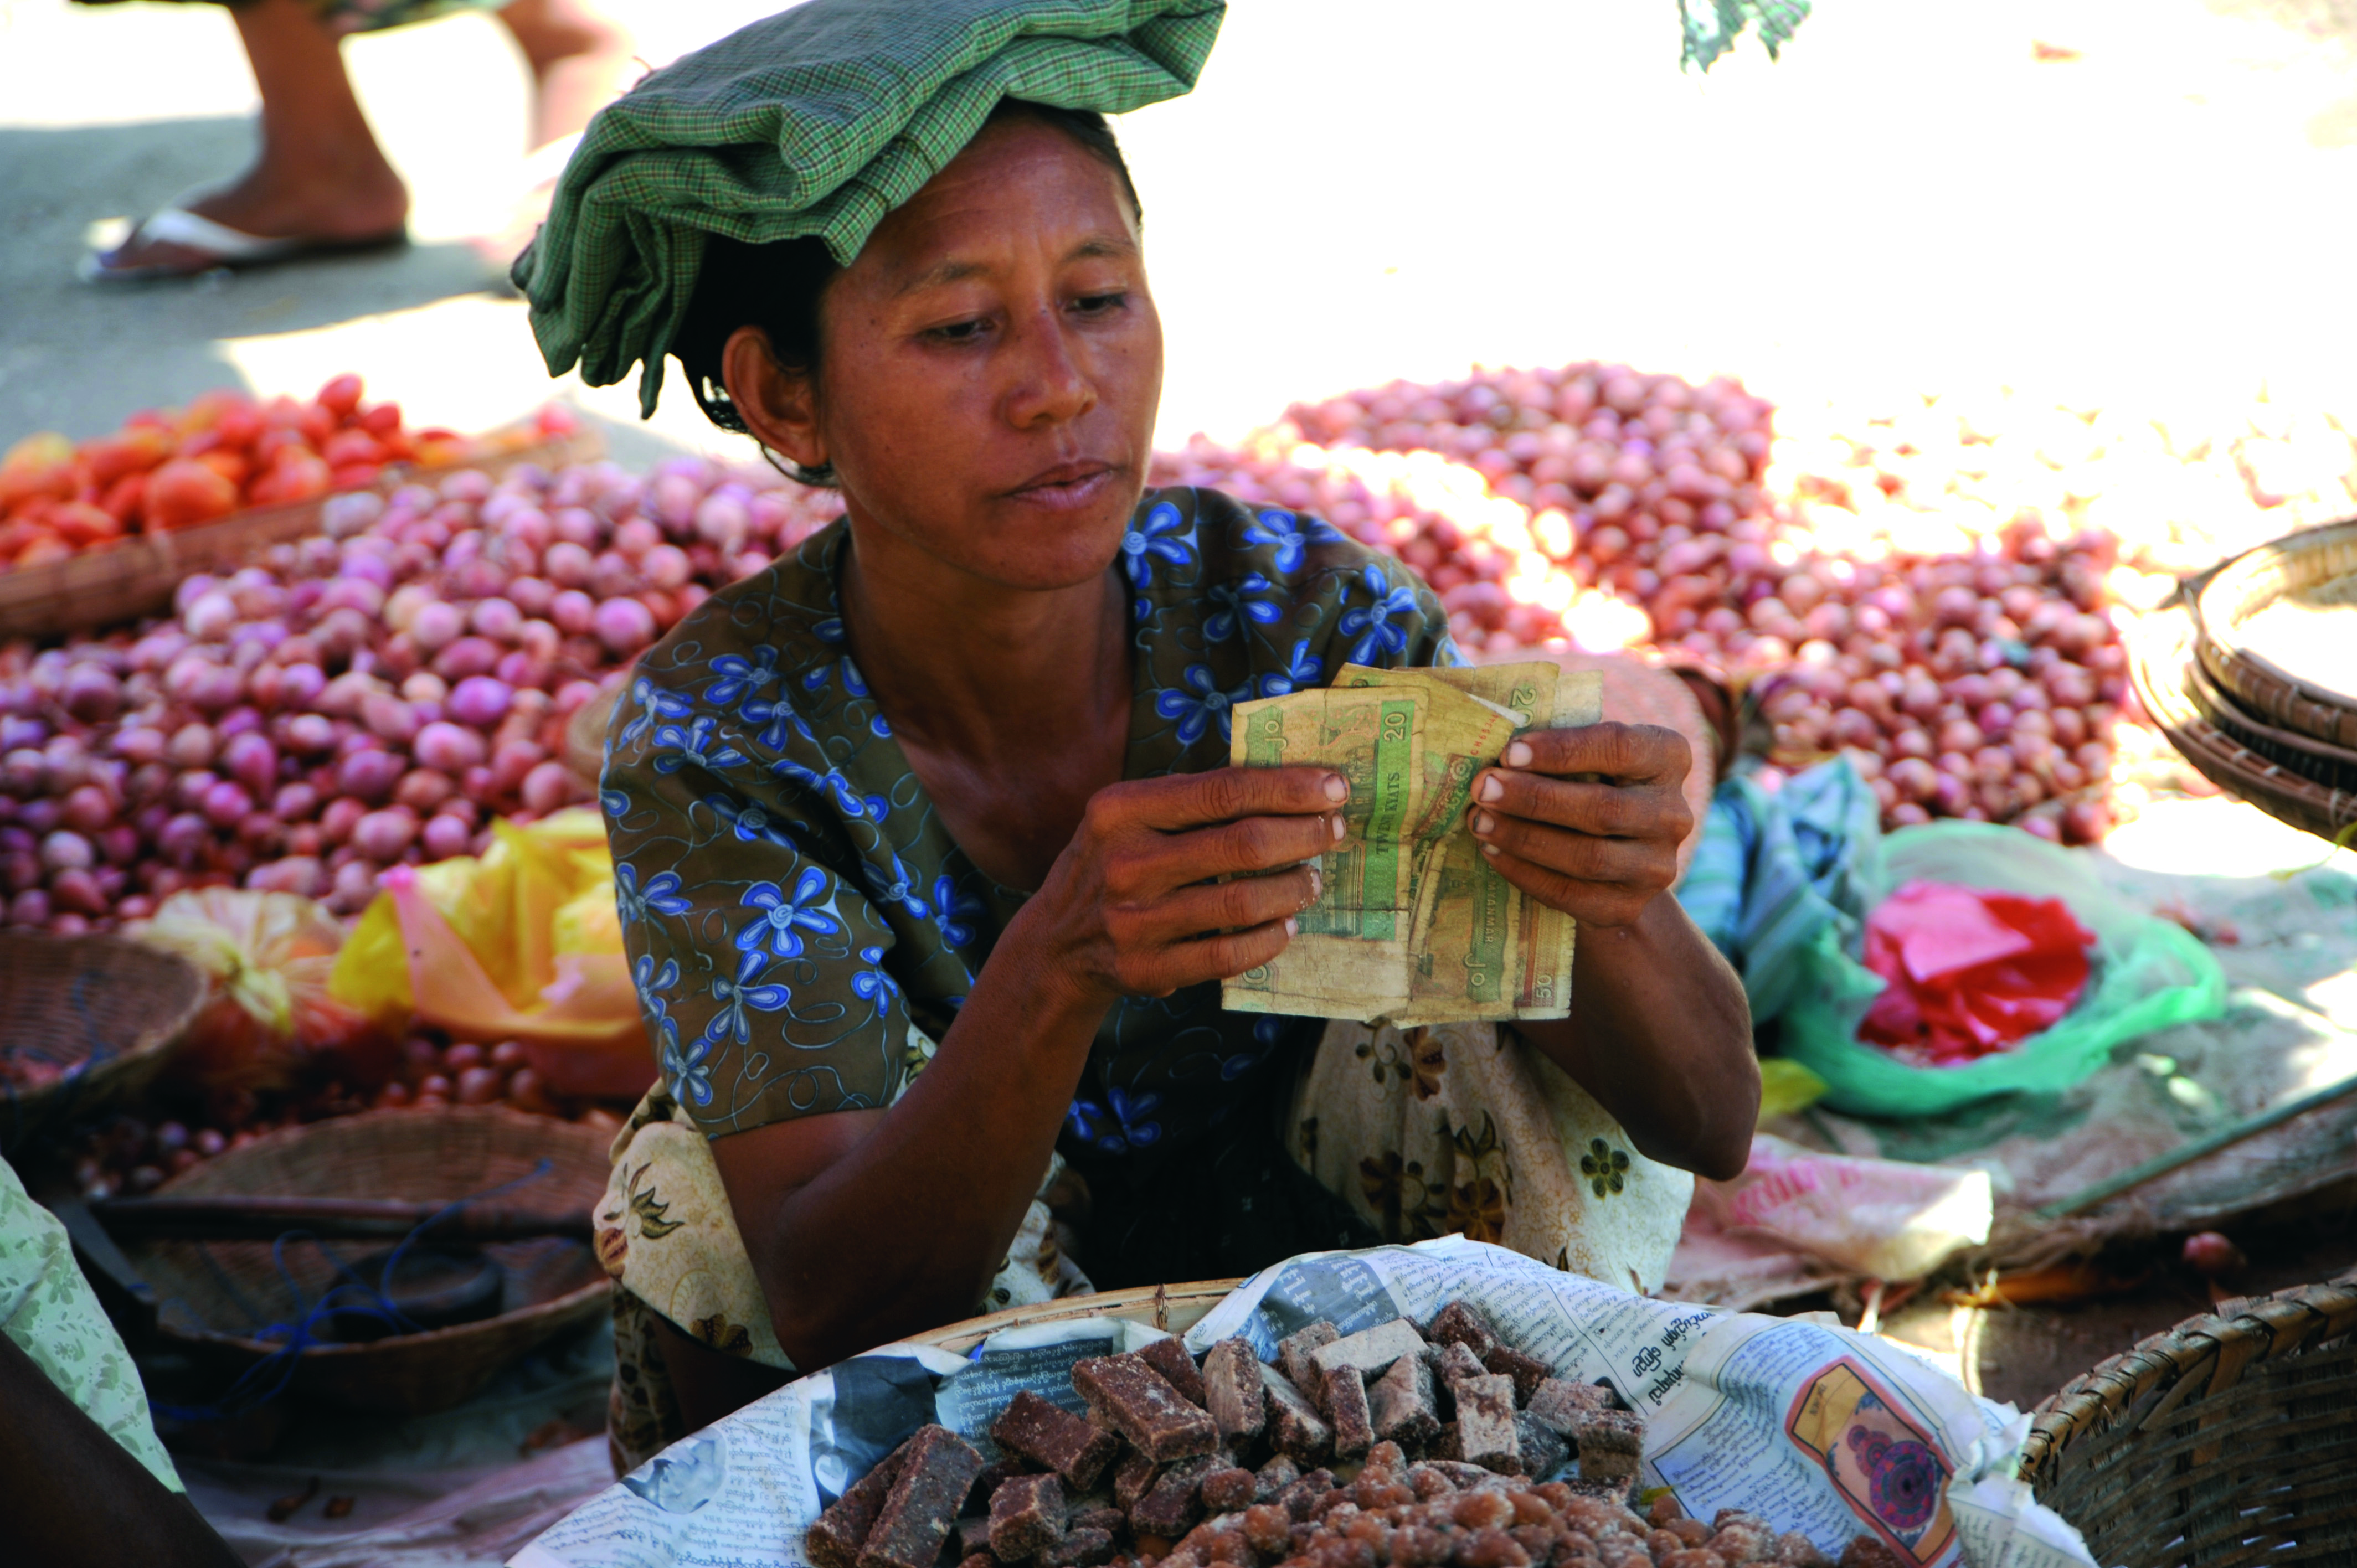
(319, 174)
(579, 58)
(320, 179)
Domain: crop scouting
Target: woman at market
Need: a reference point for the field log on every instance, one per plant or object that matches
(930, 862)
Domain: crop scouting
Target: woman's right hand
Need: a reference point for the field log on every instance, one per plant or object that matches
(1132, 907)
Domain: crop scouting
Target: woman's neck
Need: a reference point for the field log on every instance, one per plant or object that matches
(1011, 705)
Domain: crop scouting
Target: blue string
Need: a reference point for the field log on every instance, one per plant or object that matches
(351, 1296)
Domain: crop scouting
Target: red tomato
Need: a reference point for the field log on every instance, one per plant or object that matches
(341, 396)
(347, 446)
(316, 424)
(83, 526)
(184, 493)
(274, 442)
(356, 476)
(232, 466)
(297, 476)
(382, 420)
(209, 410)
(126, 499)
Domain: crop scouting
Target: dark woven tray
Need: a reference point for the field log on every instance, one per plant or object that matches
(2231, 1439)
(2317, 702)
(2160, 653)
(101, 1014)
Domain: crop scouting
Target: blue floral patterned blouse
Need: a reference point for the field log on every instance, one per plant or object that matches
(800, 925)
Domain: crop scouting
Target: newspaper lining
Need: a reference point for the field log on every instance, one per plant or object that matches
(1821, 1429)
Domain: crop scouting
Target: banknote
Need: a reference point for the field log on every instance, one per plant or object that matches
(1413, 924)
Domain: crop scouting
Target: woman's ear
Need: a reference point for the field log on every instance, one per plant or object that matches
(779, 406)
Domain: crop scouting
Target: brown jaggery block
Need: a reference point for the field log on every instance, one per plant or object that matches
(1453, 1363)
(1293, 1427)
(1485, 1423)
(1614, 1494)
(1169, 1358)
(834, 1540)
(1152, 1416)
(1865, 1552)
(1272, 1477)
(1726, 1516)
(1742, 1543)
(1527, 1371)
(1133, 1478)
(1403, 1405)
(1444, 1447)
(1233, 1390)
(1099, 1515)
(1560, 1404)
(1690, 1557)
(1460, 1323)
(1692, 1531)
(1795, 1549)
(1027, 1514)
(1172, 1504)
(1610, 1443)
(1268, 1530)
(972, 1536)
(1050, 1436)
(1300, 1498)
(1346, 1411)
(998, 1470)
(1295, 1350)
(1666, 1511)
(924, 1501)
(1371, 1350)
(1544, 1453)
(1079, 1549)
(1226, 1491)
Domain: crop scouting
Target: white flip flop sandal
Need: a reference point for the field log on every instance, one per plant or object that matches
(220, 246)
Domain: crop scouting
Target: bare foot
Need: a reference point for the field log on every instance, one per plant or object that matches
(367, 204)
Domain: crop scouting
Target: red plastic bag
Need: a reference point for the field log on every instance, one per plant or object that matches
(1970, 972)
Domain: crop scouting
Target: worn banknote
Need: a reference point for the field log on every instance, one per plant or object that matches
(1413, 924)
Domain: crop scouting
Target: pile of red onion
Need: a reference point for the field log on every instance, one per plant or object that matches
(1985, 685)
(373, 695)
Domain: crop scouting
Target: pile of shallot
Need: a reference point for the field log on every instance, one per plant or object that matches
(372, 695)
(1983, 680)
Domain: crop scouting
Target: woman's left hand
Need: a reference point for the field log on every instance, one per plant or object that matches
(1588, 819)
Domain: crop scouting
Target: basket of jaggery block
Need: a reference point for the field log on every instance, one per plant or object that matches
(2230, 1439)
(1408, 1445)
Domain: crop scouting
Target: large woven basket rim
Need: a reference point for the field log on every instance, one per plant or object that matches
(2158, 654)
(2236, 590)
(2226, 712)
(571, 1302)
(91, 1084)
(2261, 1329)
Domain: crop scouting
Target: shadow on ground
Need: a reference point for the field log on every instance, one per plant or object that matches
(77, 357)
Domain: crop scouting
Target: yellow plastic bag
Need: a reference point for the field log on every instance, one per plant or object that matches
(521, 944)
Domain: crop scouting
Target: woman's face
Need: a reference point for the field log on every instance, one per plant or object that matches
(991, 369)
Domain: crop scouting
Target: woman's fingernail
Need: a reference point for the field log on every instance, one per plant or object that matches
(1491, 789)
(1483, 821)
(1292, 927)
(1337, 790)
(1490, 849)
(1337, 830)
(1317, 883)
(1519, 754)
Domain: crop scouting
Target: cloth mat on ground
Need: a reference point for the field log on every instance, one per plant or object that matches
(2290, 951)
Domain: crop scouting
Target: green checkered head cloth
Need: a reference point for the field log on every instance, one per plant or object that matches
(817, 121)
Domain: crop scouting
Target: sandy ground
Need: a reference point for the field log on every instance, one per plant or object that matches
(1912, 199)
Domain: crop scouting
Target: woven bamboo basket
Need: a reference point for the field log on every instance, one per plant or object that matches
(2312, 694)
(2230, 1439)
(137, 575)
(2161, 654)
(1172, 1308)
(218, 1295)
(101, 1013)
